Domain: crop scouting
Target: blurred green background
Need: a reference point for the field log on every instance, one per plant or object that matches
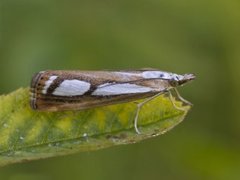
(202, 37)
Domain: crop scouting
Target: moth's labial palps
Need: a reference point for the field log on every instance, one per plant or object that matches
(77, 90)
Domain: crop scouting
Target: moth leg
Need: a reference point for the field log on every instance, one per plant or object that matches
(139, 106)
(181, 98)
(172, 101)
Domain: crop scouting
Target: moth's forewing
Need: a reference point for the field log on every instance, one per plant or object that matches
(85, 102)
(51, 102)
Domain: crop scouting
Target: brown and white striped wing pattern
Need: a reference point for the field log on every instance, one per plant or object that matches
(76, 90)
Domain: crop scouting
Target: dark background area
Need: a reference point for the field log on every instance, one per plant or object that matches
(202, 37)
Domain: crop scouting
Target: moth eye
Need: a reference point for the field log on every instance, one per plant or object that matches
(161, 75)
(173, 82)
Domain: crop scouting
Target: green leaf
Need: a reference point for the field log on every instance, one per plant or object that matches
(27, 135)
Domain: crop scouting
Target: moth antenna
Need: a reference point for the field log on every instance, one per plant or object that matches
(139, 106)
(181, 98)
(136, 119)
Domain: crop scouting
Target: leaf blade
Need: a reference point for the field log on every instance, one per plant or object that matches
(28, 135)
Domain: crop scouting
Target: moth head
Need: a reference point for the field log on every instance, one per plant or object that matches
(174, 79)
(179, 80)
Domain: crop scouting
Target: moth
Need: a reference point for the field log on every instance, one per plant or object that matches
(60, 90)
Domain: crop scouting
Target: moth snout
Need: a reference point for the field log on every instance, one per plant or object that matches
(187, 78)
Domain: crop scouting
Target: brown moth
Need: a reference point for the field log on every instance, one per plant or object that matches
(77, 90)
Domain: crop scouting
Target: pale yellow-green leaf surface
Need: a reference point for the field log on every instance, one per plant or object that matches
(27, 135)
